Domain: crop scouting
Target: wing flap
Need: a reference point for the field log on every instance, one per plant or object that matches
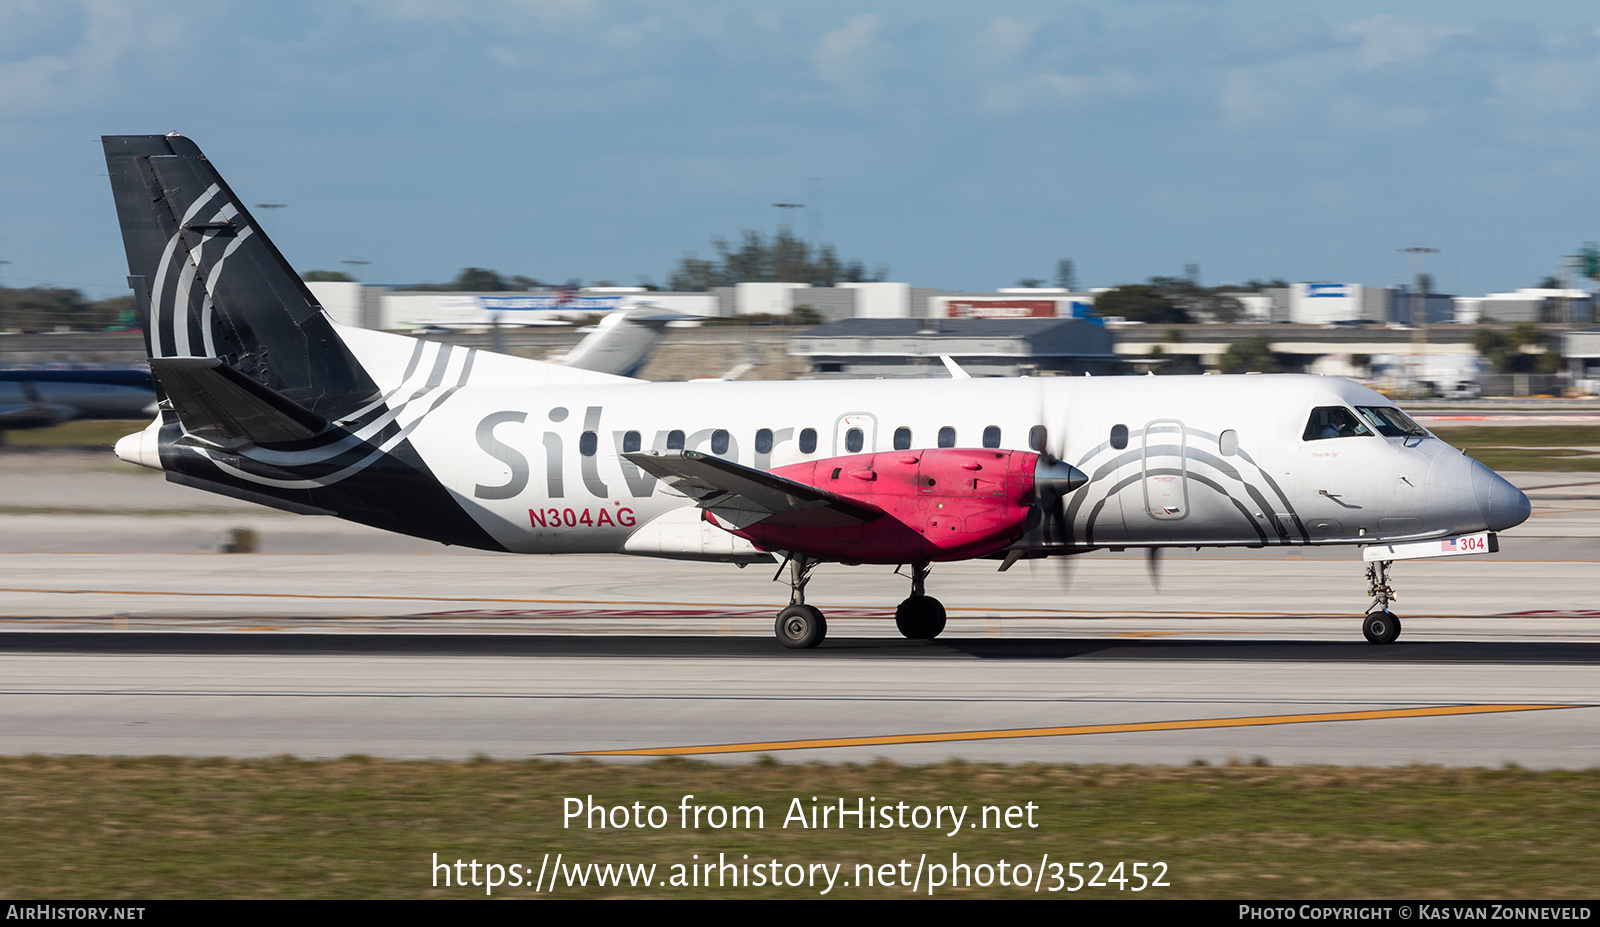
(742, 496)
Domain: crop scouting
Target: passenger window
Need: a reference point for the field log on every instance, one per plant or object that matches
(630, 442)
(947, 436)
(588, 444)
(719, 441)
(1119, 436)
(1333, 422)
(674, 440)
(1038, 438)
(808, 441)
(902, 438)
(991, 436)
(853, 440)
(764, 441)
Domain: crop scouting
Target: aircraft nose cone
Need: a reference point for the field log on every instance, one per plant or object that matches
(1503, 505)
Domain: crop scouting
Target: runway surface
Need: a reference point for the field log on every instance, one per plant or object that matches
(123, 631)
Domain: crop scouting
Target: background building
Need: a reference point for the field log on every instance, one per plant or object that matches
(983, 347)
(1531, 304)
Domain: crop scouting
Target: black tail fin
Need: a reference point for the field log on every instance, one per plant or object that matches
(212, 285)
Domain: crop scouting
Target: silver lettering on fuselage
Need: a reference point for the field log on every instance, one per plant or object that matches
(552, 456)
(504, 453)
(640, 483)
(590, 463)
(703, 436)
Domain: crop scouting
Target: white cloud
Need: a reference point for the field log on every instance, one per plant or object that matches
(1014, 66)
(477, 11)
(851, 57)
(1565, 87)
(1005, 38)
(1388, 39)
(1243, 98)
(92, 61)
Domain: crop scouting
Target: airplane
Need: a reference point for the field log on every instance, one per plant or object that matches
(620, 343)
(623, 340)
(264, 397)
(39, 397)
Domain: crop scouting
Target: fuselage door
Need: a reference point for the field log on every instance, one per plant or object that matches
(1165, 465)
(855, 433)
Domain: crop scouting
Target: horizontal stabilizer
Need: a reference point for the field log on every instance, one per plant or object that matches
(742, 496)
(219, 405)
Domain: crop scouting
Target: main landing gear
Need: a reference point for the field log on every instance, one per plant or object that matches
(920, 617)
(1380, 626)
(800, 626)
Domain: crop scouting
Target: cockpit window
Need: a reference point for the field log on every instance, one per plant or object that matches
(1334, 422)
(1391, 422)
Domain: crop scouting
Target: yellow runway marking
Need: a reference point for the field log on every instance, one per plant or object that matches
(1196, 724)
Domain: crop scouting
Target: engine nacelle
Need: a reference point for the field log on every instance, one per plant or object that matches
(941, 504)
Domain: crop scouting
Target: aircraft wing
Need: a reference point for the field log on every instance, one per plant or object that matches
(741, 496)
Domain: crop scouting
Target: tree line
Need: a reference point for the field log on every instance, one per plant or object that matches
(48, 309)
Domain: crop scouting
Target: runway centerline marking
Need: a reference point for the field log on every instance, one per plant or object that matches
(1136, 727)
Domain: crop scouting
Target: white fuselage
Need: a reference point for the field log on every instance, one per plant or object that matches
(1206, 461)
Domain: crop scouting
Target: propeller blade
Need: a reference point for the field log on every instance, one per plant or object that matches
(1065, 574)
(1152, 563)
(1052, 480)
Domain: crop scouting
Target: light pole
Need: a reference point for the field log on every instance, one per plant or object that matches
(784, 225)
(1419, 301)
(814, 217)
(784, 231)
(269, 207)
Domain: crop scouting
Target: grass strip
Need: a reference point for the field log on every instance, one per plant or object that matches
(1537, 448)
(163, 827)
(89, 432)
(1475, 436)
(1536, 460)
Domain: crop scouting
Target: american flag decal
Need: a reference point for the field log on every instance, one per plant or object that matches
(1449, 545)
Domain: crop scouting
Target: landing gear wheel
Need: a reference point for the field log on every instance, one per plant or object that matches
(801, 627)
(920, 617)
(1381, 627)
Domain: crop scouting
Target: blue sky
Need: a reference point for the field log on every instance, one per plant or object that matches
(966, 146)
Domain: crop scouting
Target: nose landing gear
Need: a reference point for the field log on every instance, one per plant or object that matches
(1380, 625)
(920, 617)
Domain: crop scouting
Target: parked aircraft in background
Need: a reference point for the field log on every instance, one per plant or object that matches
(620, 343)
(623, 341)
(38, 397)
(267, 399)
